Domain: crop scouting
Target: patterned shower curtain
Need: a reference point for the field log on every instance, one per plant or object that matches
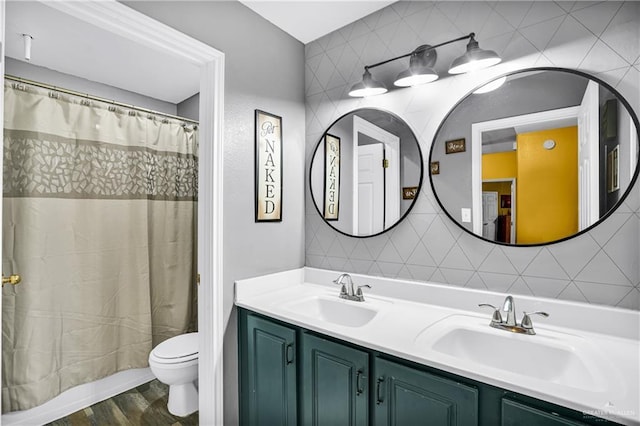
(99, 218)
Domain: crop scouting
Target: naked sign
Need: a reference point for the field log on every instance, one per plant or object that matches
(331, 177)
(268, 163)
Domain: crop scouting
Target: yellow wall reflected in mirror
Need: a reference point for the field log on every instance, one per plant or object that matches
(545, 199)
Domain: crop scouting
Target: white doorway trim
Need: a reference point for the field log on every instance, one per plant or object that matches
(2, 61)
(588, 157)
(392, 173)
(115, 17)
(523, 123)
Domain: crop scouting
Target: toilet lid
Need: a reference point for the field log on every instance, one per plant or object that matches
(182, 346)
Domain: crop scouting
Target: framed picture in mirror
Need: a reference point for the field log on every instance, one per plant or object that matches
(455, 146)
(331, 177)
(409, 193)
(613, 164)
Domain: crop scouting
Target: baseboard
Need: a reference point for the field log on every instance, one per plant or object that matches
(79, 397)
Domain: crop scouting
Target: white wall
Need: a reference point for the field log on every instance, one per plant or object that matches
(602, 39)
(264, 70)
(190, 107)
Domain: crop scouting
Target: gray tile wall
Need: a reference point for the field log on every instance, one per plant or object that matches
(601, 38)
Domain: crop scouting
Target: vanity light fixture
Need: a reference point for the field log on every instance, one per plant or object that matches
(420, 70)
(367, 87)
(474, 58)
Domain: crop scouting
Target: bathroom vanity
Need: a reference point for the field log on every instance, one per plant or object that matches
(415, 351)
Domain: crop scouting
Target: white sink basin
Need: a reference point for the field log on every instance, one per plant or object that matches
(563, 359)
(334, 310)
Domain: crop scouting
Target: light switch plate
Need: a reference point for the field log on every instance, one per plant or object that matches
(466, 215)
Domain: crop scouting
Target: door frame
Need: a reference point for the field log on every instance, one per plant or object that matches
(115, 17)
(512, 181)
(589, 157)
(560, 116)
(391, 176)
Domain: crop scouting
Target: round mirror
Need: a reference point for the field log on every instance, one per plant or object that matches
(366, 172)
(535, 157)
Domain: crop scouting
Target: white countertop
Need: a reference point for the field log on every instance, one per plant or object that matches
(412, 314)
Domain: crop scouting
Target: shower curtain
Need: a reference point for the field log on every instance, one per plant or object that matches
(100, 221)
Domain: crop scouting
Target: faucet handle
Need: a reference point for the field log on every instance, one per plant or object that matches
(526, 319)
(359, 290)
(359, 294)
(343, 288)
(496, 318)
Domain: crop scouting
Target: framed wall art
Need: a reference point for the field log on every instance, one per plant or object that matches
(331, 177)
(435, 167)
(613, 169)
(268, 166)
(455, 146)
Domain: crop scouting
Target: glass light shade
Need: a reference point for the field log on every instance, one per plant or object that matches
(367, 87)
(415, 76)
(474, 59)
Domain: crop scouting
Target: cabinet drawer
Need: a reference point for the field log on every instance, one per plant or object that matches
(516, 414)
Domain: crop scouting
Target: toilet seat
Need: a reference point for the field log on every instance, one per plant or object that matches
(176, 350)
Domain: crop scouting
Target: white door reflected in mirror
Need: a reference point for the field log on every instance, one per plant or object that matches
(371, 206)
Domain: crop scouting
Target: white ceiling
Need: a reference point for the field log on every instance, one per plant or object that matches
(71, 46)
(308, 20)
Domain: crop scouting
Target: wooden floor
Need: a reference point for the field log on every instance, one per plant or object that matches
(145, 405)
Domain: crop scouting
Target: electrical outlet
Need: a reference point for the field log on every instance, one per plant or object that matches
(466, 215)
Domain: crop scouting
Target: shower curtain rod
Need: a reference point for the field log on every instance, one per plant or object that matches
(96, 98)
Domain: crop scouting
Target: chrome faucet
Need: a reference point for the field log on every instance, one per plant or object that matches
(511, 323)
(348, 289)
(509, 306)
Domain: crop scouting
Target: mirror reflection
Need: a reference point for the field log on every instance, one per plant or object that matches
(366, 172)
(535, 157)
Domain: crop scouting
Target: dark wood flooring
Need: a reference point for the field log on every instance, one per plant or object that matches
(145, 405)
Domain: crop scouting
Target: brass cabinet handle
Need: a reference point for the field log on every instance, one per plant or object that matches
(11, 279)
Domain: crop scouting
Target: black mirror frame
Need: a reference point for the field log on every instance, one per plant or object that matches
(420, 180)
(632, 182)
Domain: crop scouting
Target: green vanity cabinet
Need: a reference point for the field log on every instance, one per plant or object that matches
(406, 396)
(268, 378)
(335, 388)
(292, 376)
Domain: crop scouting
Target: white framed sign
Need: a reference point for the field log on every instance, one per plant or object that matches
(331, 177)
(268, 163)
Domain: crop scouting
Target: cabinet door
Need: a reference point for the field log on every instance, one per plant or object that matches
(406, 396)
(516, 414)
(268, 371)
(335, 383)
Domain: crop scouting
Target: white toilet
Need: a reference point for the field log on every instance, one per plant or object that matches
(175, 363)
